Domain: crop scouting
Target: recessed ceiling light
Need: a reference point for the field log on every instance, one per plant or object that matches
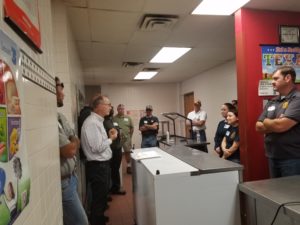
(145, 75)
(169, 54)
(219, 7)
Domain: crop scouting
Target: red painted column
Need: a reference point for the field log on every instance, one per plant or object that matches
(253, 28)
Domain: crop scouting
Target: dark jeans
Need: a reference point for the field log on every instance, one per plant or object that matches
(202, 137)
(284, 167)
(115, 163)
(98, 176)
(149, 141)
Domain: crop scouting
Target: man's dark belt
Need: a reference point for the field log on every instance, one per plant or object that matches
(68, 176)
(98, 162)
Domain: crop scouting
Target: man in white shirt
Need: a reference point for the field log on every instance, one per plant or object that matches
(96, 147)
(198, 117)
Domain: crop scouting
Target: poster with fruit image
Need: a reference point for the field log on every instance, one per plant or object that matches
(14, 172)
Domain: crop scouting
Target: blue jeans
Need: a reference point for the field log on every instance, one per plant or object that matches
(284, 167)
(149, 141)
(73, 212)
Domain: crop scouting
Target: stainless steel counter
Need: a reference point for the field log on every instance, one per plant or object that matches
(262, 198)
(204, 162)
(183, 141)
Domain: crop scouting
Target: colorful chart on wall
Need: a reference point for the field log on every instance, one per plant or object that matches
(276, 56)
(14, 174)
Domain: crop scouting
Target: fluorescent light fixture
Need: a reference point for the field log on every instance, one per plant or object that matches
(145, 75)
(169, 54)
(219, 7)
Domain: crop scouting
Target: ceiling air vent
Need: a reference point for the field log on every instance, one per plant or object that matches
(154, 22)
(131, 64)
(150, 69)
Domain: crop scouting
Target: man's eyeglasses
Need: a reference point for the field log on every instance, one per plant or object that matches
(60, 85)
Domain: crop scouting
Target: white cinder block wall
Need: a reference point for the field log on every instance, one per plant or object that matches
(67, 64)
(39, 115)
(213, 87)
(39, 112)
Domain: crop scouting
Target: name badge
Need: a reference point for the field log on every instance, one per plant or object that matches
(227, 133)
(116, 124)
(126, 119)
(271, 108)
(226, 126)
(145, 121)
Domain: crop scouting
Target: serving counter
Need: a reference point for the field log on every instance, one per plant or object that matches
(183, 141)
(180, 185)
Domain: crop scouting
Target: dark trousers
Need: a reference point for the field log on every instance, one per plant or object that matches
(202, 138)
(284, 167)
(98, 176)
(115, 163)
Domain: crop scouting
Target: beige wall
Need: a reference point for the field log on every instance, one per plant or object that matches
(213, 87)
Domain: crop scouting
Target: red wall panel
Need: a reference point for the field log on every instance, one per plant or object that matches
(253, 28)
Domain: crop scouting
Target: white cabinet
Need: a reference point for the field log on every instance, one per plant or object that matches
(169, 191)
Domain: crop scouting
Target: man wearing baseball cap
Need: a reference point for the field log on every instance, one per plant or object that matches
(149, 128)
(198, 117)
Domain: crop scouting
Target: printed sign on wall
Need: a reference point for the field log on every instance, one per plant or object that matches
(14, 174)
(276, 56)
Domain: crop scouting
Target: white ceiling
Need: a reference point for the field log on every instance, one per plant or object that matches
(107, 34)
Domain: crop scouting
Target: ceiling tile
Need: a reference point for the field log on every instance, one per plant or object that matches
(170, 6)
(112, 27)
(76, 3)
(108, 52)
(78, 18)
(128, 5)
(140, 53)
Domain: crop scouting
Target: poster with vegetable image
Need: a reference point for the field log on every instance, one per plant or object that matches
(14, 173)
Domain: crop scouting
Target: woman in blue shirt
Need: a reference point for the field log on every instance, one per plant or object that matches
(222, 128)
(231, 141)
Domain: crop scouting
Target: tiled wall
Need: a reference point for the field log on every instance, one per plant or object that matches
(39, 112)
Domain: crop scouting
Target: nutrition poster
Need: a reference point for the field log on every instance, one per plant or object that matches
(14, 175)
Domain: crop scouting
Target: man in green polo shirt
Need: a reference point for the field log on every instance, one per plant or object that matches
(126, 125)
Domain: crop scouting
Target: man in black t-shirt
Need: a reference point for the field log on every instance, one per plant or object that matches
(149, 127)
(280, 122)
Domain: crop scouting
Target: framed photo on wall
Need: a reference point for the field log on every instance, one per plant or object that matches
(289, 35)
(23, 17)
